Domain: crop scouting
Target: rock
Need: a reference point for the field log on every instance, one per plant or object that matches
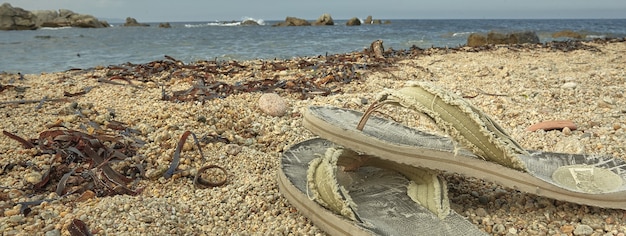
(133, 22)
(249, 23)
(324, 19)
(15, 18)
(165, 25)
(567, 229)
(353, 21)
(272, 104)
(54, 232)
(583, 230)
(478, 39)
(552, 125)
(497, 38)
(481, 212)
(377, 22)
(232, 149)
(568, 34)
(67, 18)
(293, 21)
(368, 20)
(377, 48)
(523, 37)
(569, 85)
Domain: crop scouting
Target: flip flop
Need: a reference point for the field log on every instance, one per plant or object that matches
(585, 179)
(371, 197)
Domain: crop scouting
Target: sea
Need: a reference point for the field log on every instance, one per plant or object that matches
(60, 49)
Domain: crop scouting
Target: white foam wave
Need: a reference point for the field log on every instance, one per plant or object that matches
(591, 36)
(461, 34)
(55, 28)
(226, 23)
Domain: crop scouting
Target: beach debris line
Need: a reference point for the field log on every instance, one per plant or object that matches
(213, 179)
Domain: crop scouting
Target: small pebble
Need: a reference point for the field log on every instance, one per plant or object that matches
(481, 212)
(569, 85)
(583, 230)
(272, 104)
(233, 149)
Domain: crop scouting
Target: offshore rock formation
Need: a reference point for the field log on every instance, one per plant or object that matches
(15, 18)
(353, 21)
(324, 19)
(133, 22)
(293, 21)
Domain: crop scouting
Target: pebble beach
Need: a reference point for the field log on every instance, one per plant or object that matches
(244, 114)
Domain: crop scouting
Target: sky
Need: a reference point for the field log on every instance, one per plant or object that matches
(225, 10)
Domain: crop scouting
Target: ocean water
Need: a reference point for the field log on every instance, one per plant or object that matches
(52, 50)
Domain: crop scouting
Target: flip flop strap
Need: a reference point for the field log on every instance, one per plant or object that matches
(465, 123)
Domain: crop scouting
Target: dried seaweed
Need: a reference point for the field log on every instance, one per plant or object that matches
(83, 157)
(198, 180)
(78, 228)
(24, 143)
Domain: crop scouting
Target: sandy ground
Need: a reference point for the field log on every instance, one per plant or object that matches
(518, 87)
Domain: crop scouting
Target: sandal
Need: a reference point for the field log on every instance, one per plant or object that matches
(371, 196)
(493, 155)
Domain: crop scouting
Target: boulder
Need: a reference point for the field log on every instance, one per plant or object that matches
(497, 38)
(67, 18)
(165, 25)
(368, 20)
(568, 34)
(324, 19)
(293, 21)
(15, 18)
(377, 22)
(523, 37)
(249, 22)
(353, 21)
(133, 22)
(45, 16)
(478, 39)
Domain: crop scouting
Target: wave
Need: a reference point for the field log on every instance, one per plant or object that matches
(461, 34)
(226, 23)
(55, 28)
(591, 36)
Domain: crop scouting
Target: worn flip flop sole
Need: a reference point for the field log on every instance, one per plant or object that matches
(553, 175)
(381, 196)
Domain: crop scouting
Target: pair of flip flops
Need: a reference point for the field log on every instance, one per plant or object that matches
(370, 175)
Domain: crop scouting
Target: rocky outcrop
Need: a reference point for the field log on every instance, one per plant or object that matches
(15, 18)
(132, 22)
(478, 39)
(293, 21)
(568, 34)
(165, 25)
(353, 22)
(67, 18)
(249, 22)
(369, 20)
(324, 19)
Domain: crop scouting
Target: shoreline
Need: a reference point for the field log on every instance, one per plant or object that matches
(163, 99)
